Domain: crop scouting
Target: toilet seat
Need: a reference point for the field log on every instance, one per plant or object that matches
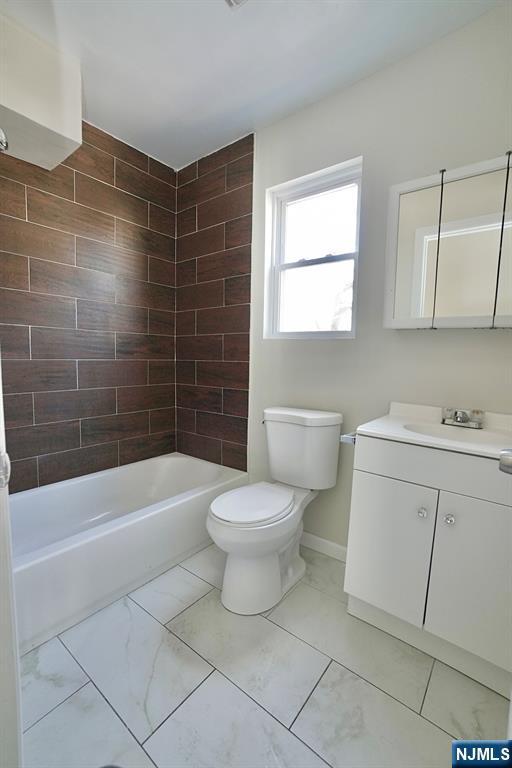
(253, 505)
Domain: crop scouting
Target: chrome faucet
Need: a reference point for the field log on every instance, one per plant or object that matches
(461, 417)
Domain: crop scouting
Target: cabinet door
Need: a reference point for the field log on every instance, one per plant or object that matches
(469, 599)
(390, 544)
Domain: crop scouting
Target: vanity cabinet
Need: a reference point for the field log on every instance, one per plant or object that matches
(424, 552)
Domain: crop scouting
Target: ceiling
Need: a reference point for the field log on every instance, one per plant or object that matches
(180, 78)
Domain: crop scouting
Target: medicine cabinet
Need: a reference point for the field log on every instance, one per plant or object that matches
(449, 251)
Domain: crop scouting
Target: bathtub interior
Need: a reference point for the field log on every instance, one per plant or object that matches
(46, 515)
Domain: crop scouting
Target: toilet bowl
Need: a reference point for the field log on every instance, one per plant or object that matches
(259, 526)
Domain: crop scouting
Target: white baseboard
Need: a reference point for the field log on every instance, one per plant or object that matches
(324, 546)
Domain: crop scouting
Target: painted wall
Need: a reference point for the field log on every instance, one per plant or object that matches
(446, 106)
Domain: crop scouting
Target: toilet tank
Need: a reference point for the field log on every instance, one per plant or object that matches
(303, 446)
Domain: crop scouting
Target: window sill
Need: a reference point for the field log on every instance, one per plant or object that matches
(311, 336)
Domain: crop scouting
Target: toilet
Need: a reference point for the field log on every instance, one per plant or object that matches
(259, 526)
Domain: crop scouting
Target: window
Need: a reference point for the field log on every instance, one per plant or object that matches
(312, 248)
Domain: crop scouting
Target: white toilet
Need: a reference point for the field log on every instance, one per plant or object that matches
(259, 526)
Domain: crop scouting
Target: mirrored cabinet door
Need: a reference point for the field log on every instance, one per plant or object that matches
(469, 246)
(503, 317)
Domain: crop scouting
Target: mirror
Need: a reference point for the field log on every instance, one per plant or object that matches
(445, 237)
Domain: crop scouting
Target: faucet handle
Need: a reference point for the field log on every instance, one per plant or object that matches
(463, 417)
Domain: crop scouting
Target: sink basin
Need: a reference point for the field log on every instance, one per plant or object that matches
(461, 434)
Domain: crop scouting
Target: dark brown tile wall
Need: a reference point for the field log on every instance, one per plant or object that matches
(213, 265)
(87, 300)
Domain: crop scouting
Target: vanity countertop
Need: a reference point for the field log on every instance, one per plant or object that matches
(421, 425)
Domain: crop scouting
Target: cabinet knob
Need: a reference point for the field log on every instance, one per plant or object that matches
(449, 519)
(422, 512)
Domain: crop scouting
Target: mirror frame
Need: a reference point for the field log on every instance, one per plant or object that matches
(487, 166)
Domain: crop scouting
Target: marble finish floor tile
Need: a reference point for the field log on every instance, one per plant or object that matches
(81, 733)
(351, 724)
(324, 573)
(49, 674)
(208, 564)
(143, 670)
(274, 668)
(220, 727)
(170, 593)
(323, 622)
(463, 707)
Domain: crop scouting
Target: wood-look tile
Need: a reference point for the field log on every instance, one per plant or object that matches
(162, 171)
(161, 271)
(73, 404)
(207, 186)
(144, 185)
(235, 261)
(59, 280)
(144, 398)
(234, 455)
(58, 182)
(187, 174)
(23, 237)
(185, 420)
(13, 270)
(18, 410)
(201, 295)
(59, 343)
(14, 342)
(103, 197)
(201, 447)
(199, 398)
(185, 323)
(144, 240)
(99, 316)
(56, 467)
(102, 140)
(235, 402)
(161, 322)
(24, 442)
(231, 428)
(92, 161)
(105, 429)
(224, 319)
(144, 347)
(199, 347)
(70, 217)
(186, 221)
(223, 374)
(227, 154)
(185, 372)
(23, 308)
(239, 232)
(145, 448)
(162, 220)
(38, 375)
(141, 294)
(186, 272)
(111, 373)
(237, 290)
(239, 172)
(23, 475)
(231, 205)
(162, 420)
(108, 258)
(199, 243)
(162, 372)
(236, 346)
(12, 198)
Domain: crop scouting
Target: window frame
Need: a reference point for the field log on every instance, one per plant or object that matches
(277, 197)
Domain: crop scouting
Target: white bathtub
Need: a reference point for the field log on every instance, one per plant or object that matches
(82, 543)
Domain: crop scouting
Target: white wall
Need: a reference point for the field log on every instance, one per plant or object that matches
(446, 106)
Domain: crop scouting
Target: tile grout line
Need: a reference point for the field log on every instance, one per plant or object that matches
(59, 704)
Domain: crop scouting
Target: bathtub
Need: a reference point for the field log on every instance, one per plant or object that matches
(82, 543)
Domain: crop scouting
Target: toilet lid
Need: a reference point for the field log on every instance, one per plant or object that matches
(252, 504)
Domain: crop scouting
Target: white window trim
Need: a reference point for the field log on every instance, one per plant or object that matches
(276, 199)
